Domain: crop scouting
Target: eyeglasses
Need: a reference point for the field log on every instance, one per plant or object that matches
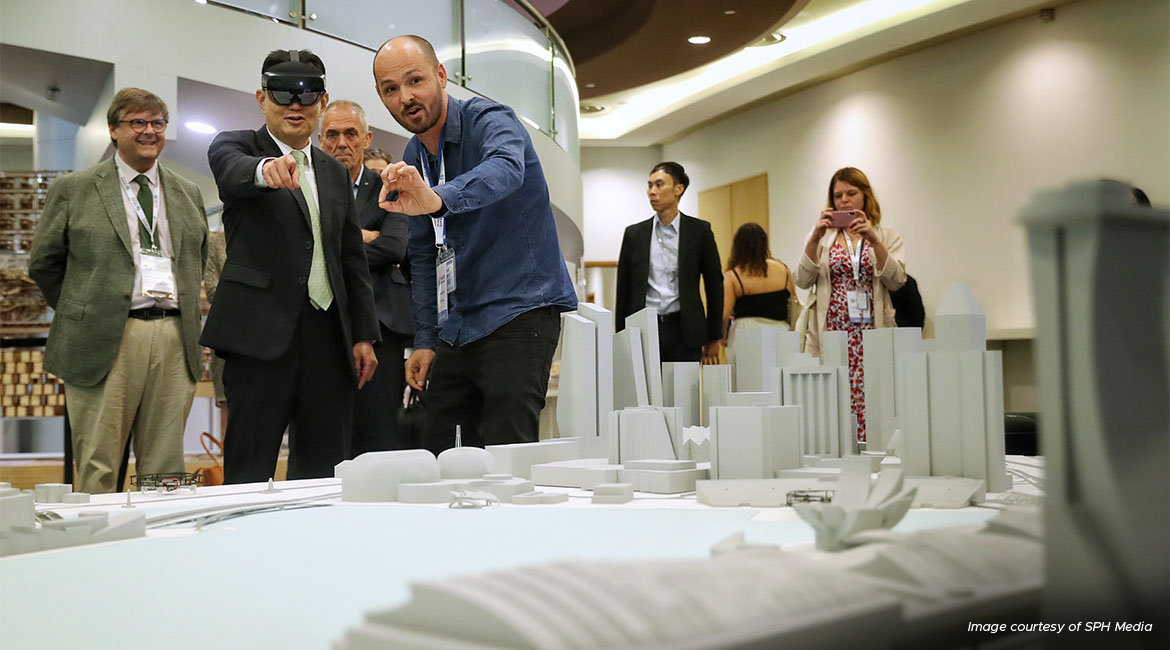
(139, 126)
(302, 97)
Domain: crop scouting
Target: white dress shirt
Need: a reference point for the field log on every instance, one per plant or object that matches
(662, 289)
(137, 299)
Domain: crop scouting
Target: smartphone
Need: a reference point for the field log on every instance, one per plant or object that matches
(842, 218)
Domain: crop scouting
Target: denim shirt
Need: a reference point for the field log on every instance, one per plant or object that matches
(499, 222)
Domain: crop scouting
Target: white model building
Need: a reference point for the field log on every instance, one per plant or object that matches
(951, 399)
(21, 533)
(629, 370)
(587, 389)
(646, 322)
(858, 505)
(822, 393)
(882, 348)
(1101, 286)
(681, 388)
(754, 442)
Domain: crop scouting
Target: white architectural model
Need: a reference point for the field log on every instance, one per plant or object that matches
(1101, 285)
(754, 442)
(587, 389)
(577, 392)
(681, 388)
(629, 370)
(759, 351)
(646, 322)
(822, 393)
(882, 348)
(21, 533)
(951, 399)
(857, 505)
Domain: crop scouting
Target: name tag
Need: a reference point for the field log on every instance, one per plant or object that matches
(860, 309)
(158, 280)
(444, 281)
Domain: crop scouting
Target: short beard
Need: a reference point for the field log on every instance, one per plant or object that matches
(425, 127)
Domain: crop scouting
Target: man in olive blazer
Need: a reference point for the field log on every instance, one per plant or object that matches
(129, 361)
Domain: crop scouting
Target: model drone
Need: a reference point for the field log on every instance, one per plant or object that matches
(165, 483)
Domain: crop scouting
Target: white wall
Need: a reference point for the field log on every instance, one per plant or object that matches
(955, 138)
(614, 179)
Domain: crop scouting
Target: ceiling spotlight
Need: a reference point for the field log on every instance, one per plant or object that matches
(770, 39)
(200, 127)
(699, 40)
(590, 109)
(590, 85)
(729, 12)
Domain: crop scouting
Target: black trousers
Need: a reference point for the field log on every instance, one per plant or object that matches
(671, 346)
(377, 404)
(493, 388)
(308, 389)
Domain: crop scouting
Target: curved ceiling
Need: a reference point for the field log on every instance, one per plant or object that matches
(617, 45)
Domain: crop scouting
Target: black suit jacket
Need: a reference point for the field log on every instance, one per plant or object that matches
(698, 257)
(264, 281)
(386, 255)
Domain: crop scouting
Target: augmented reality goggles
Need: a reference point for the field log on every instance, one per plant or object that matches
(293, 81)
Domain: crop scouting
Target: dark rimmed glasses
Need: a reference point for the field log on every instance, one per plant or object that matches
(139, 126)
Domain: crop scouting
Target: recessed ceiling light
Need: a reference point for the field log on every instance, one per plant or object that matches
(589, 109)
(200, 127)
(590, 85)
(770, 39)
(699, 40)
(729, 12)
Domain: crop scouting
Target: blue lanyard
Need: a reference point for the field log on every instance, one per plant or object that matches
(434, 179)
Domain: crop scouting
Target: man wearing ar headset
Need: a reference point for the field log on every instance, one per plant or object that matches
(294, 313)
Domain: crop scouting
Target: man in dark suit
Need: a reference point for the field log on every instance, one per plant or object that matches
(119, 254)
(345, 135)
(294, 313)
(660, 265)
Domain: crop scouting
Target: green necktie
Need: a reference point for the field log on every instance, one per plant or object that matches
(319, 292)
(146, 200)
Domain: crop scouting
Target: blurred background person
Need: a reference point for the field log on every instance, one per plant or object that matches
(758, 290)
(853, 261)
(345, 135)
(376, 159)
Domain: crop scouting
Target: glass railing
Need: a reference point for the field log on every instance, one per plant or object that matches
(503, 50)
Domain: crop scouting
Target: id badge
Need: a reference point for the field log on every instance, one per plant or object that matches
(449, 257)
(441, 288)
(854, 306)
(864, 307)
(158, 281)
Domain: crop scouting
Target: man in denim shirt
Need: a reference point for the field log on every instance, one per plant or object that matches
(489, 279)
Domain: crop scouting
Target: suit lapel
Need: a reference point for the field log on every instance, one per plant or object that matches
(110, 190)
(643, 267)
(325, 183)
(685, 237)
(268, 148)
(370, 185)
(176, 210)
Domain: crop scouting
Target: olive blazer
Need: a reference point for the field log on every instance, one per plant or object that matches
(83, 263)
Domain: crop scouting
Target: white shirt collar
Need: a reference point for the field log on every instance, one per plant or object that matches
(129, 173)
(285, 149)
(673, 224)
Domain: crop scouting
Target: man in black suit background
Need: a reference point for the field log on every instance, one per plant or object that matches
(293, 316)
(345, 135)
(661, 262)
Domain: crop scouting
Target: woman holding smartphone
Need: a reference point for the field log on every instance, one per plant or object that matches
(853, 261)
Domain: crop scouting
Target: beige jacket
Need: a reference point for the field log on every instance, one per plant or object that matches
(810, 274)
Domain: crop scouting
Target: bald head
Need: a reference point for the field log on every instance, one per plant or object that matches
(412, 84)
(409, 46)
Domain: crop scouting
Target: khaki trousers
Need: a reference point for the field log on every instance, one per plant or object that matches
(147, 395)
